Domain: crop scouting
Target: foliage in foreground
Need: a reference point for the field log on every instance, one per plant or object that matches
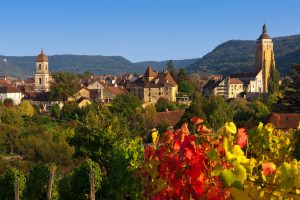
(207, 165)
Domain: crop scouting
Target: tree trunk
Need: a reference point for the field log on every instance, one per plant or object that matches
(92, 185)
(50, 183)
(16, 188)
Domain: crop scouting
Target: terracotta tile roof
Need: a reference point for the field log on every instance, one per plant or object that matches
(171, 117)
(5, 87)
(284, 120)
(115, 90)
(150, 73)
(235, 81)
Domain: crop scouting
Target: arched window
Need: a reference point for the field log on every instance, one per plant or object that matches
(46, 67)
(40, 81)
(40, 66)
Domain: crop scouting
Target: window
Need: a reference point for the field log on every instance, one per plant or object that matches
(40, 66)
(149, 99)
(46, 67)
(40, 81)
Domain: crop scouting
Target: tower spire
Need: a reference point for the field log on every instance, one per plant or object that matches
(264, 28)
(42, 50)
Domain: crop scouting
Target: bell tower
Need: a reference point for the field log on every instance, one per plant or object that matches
(264, 58)
(42, 76)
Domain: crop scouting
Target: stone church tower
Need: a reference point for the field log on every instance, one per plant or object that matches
(264, 56)
(42, 76)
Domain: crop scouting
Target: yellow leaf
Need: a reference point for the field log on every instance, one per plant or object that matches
(230, 127)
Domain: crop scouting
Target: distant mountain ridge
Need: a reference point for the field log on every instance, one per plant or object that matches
(233, 56)
(24, 66)
(238, 56)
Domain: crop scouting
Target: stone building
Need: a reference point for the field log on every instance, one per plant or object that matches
(264, 57)
(153, 85)
(42, 76)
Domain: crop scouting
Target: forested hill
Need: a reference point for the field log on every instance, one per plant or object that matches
(236, 56)
(25, 66)
(233, 56)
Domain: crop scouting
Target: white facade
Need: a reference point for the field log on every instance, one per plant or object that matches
(16, 97)
(256, 84)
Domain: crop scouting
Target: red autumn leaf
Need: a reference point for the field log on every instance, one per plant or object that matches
(242, 137)
(268, 168)
(188, 153)
(177, 145)
(204, 129)
(196, 120)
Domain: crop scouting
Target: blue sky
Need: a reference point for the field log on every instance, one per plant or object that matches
(139, 29)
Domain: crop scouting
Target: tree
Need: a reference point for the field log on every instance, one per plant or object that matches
(290, 102)
(213, 109)
(127, 155)
(182, 75)
(186, 87)
(7, 184)
(8, 102)
(37, 183)
(80, 179)
(164, 104)
(273, 82)
(171, 69)
(65, 84)
(260, 111)
(10, 125)
(25, 109)
(125, 104)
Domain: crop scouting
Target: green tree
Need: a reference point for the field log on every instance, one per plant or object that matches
(125, 105)
(7, 184)
(55, 111)
(290, 102)
(8, 102)
(273, 82)
(124, 183)
(171, 68)
(65, 84)
(186, 87)
(80, 182)
(164, 104)
(25, 109)
(182, 75)
(10, 126)
(37, 183)
(260, 111)
(214, 110)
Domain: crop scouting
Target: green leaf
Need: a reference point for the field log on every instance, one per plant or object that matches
(227, 177)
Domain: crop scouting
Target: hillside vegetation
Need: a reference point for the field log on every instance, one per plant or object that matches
(236, 56)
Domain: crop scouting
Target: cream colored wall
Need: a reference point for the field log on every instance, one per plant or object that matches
(265, 59)
(164, 92)
(235, 90)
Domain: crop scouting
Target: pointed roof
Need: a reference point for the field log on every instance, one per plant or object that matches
(42, 57)
(264, 34)
(149, 72)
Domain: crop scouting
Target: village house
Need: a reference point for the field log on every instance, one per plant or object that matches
(9, 91)
(226, 87)
(153, 85)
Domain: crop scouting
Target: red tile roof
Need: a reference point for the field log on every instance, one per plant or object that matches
(150, 73)
(170, 117)
(5, 87)
(115, 90)
(235, 81)
(284, 120)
